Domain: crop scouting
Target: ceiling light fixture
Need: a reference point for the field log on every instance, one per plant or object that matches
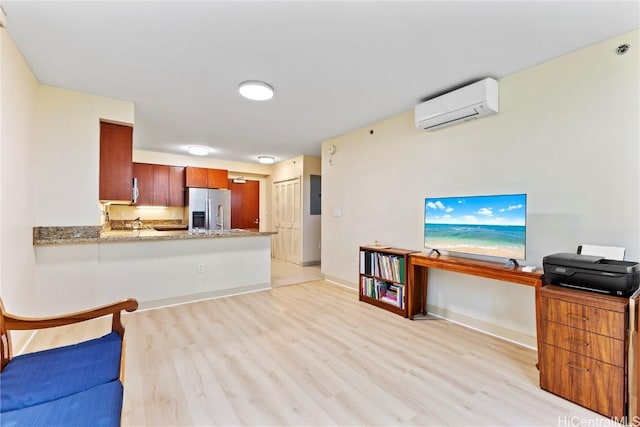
(198, 150)
(266, 160)
(256, 90)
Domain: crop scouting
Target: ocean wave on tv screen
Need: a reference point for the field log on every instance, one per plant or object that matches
(477, 239)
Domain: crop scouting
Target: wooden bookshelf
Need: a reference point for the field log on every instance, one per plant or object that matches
(383, 280)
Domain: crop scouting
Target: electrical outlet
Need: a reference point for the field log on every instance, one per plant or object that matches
(200, 268)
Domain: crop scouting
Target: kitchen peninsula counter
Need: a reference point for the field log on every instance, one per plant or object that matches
(47, 236)
(84, 267)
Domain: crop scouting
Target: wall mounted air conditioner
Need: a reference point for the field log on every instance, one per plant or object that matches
(467, 103)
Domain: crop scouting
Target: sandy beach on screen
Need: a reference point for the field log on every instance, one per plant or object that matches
(498, 252)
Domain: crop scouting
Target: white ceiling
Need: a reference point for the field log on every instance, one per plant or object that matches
(336, 65)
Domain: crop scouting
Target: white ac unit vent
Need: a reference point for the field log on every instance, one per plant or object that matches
(467, 103)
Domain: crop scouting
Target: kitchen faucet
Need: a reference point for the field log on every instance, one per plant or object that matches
(137, 224)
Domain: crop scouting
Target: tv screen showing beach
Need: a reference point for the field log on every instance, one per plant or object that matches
(481, 225)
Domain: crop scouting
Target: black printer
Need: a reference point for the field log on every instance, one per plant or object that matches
(593, 273)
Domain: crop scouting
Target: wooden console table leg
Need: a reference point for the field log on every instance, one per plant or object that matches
(424, 287)
(418, 290)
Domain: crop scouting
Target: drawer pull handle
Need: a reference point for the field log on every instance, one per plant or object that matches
(577, 316)
(582, 343)
(580, 368)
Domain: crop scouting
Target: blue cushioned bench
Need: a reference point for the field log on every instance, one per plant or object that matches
(73, 385)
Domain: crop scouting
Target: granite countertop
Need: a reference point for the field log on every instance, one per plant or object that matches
(143, 235)
(47, 236)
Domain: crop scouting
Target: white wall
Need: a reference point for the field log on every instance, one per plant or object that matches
(143, 156)
(18, 96)
(567, 135)
(311, 224)
(68, 154)
(74, 277)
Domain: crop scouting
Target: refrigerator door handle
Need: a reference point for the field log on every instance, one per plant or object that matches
(206, 213)
(220, 217)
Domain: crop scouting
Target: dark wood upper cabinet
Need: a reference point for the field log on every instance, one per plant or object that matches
(217, 178)
(159, 185)
(196, 177)
(206, 178)
(176, 185)
(116, 154)
(144, 173)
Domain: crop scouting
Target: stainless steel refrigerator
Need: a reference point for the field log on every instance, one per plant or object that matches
(209, 209)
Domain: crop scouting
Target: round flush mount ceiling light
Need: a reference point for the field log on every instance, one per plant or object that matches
(198, 150)
(266, 160)
(256, 90)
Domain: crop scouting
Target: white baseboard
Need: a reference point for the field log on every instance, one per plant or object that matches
(340, 282)
(484, 327)
(468, 322)
(185, 299)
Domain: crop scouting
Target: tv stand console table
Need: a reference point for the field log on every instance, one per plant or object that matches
(419, 264)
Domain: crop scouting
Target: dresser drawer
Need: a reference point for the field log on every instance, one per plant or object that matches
(579, 316)
(599, 347)
(593, 384)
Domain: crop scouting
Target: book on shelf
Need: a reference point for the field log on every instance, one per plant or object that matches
(385, 266)
(391, 293)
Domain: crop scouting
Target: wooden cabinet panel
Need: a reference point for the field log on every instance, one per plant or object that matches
(176, 185)
(585, 381)
(196, 177)
(206, 178)
(600, 347)
(592, 319)
(116, 154)
(217, 178)
(160, 185)
(143, 172)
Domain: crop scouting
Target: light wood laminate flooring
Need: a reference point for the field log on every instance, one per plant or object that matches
(311, 354)
(287, 273)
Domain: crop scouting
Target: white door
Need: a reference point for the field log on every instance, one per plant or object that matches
(287, 211)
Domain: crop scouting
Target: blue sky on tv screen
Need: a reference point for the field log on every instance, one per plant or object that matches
(505, 209)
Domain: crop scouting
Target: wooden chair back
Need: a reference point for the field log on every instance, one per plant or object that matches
(5, 339)
(11, 322)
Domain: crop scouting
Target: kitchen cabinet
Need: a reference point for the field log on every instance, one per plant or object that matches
(217, 178)
(176, 185)
(159, 185)
(143, 172)
(196, 177)
(116, 157)
(206, 178)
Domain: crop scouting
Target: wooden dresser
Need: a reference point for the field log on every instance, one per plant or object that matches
(582, 348)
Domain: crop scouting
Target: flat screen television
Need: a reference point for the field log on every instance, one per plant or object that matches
(492, 225)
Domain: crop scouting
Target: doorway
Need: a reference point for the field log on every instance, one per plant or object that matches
(245, 204)
(287, 206)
